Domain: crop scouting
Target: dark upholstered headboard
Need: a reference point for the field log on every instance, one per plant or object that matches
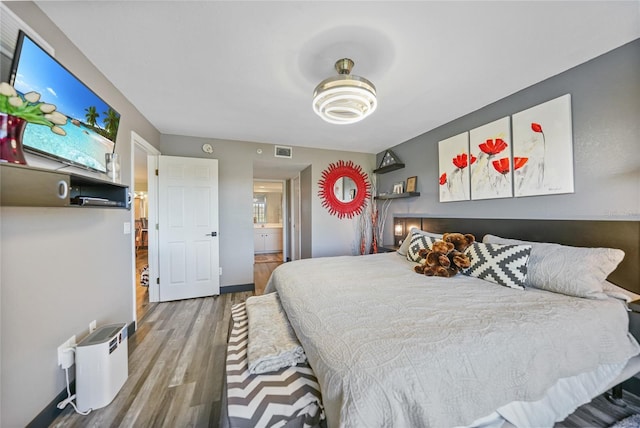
(579, 233)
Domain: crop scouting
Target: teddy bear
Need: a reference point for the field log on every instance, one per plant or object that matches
(446, 256)
(435, 261)
(461, 242)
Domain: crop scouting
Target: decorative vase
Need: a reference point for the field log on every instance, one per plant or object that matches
(374, 232)
(113, 166)
(11, 130)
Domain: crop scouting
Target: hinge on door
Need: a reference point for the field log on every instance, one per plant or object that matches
(156, 171)
(158, 280)
(157, 226)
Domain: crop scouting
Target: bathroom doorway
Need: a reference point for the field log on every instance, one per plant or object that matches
(269, 216)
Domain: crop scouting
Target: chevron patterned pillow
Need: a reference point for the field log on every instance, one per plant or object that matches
(418, 242)
(502, 264)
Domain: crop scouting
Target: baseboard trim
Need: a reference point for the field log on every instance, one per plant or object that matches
(49, 414)
(131, 329)
(237, 288)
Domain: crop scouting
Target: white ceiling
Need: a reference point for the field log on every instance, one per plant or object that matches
(247, 70)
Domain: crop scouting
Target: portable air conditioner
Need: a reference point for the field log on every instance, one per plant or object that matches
(102, 366)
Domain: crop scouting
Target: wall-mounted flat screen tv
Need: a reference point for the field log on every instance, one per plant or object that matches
(92, 125)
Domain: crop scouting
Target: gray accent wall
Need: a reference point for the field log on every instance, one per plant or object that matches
(605, 95)
(61, 268)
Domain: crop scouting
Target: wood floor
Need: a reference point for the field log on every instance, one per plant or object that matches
(263, 265)
(176, 368)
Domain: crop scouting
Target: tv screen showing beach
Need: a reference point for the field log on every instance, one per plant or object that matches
(92, 125)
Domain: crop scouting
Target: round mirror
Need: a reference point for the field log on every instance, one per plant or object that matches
(344, 189)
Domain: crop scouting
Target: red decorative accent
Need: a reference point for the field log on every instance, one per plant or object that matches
(536, 127)
(461, 160)
(493, 147)
(11, 130)
(519, 162)
(329, 178)
(501, 165)
(374, 228)
(443, 179)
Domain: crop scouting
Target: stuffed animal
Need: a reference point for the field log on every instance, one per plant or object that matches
(446, 257)
(435, 259)
(461, 242)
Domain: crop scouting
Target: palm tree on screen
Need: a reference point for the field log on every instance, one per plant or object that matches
(111, 122)
(91, 115)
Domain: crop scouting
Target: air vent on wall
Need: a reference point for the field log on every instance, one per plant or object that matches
(283, 152)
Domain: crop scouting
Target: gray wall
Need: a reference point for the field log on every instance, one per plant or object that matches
(61, 268)
(306, 214)
(605, 94)
(326, 235)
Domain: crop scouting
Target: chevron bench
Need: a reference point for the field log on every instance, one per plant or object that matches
(288, 397)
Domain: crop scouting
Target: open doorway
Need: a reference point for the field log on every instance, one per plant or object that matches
(141, 238)
(294, 215)
(143, 204)
(269, 216)
(141, 231)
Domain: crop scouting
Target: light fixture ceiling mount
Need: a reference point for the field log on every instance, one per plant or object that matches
(344, 98)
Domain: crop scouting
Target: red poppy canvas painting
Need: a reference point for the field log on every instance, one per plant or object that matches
(543, 135)
(491, 174)
(454, 162)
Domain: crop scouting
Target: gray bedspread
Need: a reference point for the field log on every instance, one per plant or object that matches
(393, 348)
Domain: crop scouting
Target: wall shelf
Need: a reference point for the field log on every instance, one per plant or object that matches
(25, 186)
(397, 195)
(388, 168)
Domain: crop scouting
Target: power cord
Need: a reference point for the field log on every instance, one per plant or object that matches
(69, 400)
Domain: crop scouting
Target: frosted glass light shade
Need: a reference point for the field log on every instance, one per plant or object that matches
(344, 99)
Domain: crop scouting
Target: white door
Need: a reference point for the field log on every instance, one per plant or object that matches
(188, 227)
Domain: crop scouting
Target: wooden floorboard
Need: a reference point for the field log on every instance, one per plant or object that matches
(263, 265)
(176, 371)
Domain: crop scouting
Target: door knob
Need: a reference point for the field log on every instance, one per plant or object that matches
(212, 234)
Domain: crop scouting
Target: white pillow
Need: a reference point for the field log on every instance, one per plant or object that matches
(574, 271)
(498, 263)
(614, 291)
(419, 241)
(407, 240)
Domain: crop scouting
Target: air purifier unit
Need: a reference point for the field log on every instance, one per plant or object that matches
(102, 366)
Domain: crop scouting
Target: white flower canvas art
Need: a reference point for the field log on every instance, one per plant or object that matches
(543, 142)
(490, 146)
(453, 160)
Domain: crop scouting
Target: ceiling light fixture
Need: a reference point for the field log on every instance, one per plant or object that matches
(344, 99)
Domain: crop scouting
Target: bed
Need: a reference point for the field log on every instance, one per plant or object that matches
(390, 347)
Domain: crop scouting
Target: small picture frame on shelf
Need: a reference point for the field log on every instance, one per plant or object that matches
(411, 183)
(398, 187)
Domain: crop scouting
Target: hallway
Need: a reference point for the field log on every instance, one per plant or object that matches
(142, 293)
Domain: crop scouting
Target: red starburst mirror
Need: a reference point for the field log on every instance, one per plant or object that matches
(344, 189)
